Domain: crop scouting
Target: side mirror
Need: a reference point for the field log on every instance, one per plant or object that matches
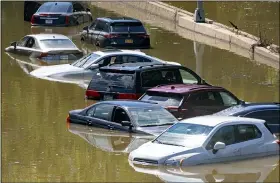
(87, 10)
(218, 146)
(14, 44)
(85, 28)
(126, 123)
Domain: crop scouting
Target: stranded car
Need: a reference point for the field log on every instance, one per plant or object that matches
(189, 100)
(46, 47)
(130, 81)
(116, 32)
(123, 115)
(82, 70)
(270, 112)
(61, 14)
(208, 139)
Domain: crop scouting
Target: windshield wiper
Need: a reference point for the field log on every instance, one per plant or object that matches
(163, 124)
(172, 144)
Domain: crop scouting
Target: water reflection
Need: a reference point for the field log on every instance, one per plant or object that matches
(108, 140)
(255, 170)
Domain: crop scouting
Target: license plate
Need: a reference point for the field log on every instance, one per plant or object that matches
(108, 97)
(64, 57)
(128, 41)
(48, 21)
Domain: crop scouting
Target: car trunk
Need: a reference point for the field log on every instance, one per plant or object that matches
(62, 54)
(50, 19)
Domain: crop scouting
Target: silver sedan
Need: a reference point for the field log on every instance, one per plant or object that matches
(46, 47)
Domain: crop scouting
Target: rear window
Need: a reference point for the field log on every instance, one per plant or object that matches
(61, 7)
(127, 27)
(163, 99)
(57, 43)
(116, 81)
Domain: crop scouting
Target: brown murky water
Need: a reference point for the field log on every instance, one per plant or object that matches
(37, 146)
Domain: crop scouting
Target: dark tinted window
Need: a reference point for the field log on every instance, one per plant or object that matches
(163, 99)
(187, 77)
(228, 99)
(78, 7)
(61, 7)
(113, 81)
(270, 116)
(23, 41)
(127, 27)
(90, 112)
(102, 26)
(247, 132)
(205, 98)
(158, 77)
(103, 111)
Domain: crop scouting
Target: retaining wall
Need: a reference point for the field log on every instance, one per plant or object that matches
(180, 21)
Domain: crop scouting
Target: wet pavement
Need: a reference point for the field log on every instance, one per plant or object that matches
(37, 144)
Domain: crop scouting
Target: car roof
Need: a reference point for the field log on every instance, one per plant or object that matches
(48, 36)
(58, 2)
(131, 103)
(216, 120)
(183, 88)
(247, 107)
(138, 66)
(118, 19)
(119, 52)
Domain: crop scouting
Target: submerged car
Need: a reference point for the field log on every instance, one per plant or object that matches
(83, 69)
(46, 47)
(124, 115)
(270, 112)
(109, 140)
(130, 81)
(60, 14)
(116, 32)
(190, 100)
(208, 139)
(252, 170)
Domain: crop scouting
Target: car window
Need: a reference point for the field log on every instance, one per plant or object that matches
(204, 98)
(128, 27)
(31, 43)
(187, 77)
(131, 58)
(228, 100)
(224, 134)
(270, 116)
(92, 25)
(57, 43)
(102, 26)
(163, 99)
(78, 7)
(159, 77)
(90, 112)
(103, 111)
(120, 115)
(247, 132)
(61, 7)
(23, 41)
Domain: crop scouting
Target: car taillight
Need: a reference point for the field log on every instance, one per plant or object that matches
(128, 96)
(92, 93)
(278, 142)
(109, 36)
(32, 19)
(43, 55)
(172, 108)
(144, 35)
(66, 19)
(43, 14)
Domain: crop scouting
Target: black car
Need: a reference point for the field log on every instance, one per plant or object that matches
(270, 112)
(58, 14)
(116, 32)
(124, 115)
(131, 80)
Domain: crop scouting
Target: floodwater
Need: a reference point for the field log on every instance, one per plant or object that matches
(38, 146)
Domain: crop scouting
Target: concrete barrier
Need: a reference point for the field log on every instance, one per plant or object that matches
(180, 21)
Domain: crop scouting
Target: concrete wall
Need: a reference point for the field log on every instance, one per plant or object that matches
(180, 21)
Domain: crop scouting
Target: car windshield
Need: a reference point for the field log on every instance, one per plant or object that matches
(61, 7)
(86, 60)
(128, 27)
(163, 99)
(184, 134)
(57, 43)
(152, 116)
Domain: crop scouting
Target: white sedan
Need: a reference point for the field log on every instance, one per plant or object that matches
(208, 139)
(46, 47)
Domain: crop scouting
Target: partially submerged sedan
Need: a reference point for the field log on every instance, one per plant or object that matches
(46, 47)
(124, 115)
(208, 139)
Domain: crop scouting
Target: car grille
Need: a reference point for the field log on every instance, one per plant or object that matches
(145, 160)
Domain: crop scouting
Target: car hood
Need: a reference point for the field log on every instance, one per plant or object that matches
(154, 130)
(46, 71)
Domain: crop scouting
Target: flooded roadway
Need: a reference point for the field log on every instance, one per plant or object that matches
(37, 145)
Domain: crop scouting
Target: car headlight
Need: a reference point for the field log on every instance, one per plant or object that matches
(172, 162)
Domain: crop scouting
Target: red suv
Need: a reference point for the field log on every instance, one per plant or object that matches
(189, 100)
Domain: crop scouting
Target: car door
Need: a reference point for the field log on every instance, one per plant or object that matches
(271, 116)
(250, 140)
(99, 116)
(225, 134)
